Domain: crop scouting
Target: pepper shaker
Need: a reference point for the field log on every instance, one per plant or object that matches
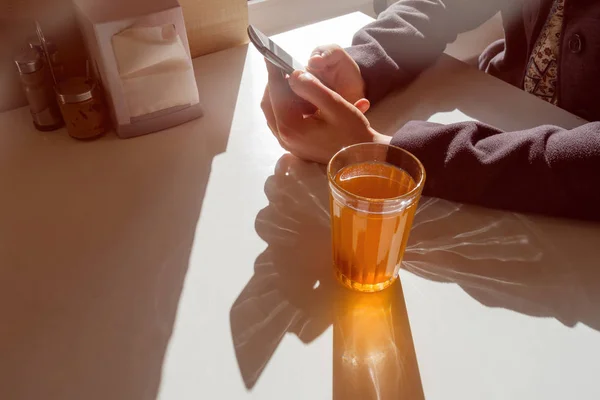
(37, 85)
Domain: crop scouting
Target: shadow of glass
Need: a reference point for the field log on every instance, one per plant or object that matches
(90, 277)
(534, 265)
(293, 291)
(537, 266)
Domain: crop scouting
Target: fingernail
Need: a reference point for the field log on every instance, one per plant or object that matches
(306, 77)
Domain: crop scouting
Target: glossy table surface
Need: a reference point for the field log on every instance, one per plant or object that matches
(195, 263)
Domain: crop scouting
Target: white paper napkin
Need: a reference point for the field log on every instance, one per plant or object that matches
(155, 70)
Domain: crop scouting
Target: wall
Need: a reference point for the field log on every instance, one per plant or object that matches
(213, 25)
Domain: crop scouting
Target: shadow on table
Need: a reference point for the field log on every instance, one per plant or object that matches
(293, 291)
(533, 265)
(95, 241)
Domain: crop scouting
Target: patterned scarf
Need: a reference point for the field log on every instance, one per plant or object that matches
(541, 77)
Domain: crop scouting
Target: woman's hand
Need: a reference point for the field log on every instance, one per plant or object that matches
(317, 137)
(338, 71)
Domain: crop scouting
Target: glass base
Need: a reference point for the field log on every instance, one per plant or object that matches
(363, 287)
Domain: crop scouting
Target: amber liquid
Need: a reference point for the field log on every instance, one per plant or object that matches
(368, 244)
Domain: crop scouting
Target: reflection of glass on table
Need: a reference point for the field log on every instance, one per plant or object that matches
(373, 351)
(375, 190)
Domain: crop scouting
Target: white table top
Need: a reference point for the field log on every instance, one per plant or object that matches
(195, 263)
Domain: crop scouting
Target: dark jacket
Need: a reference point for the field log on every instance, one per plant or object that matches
(547, 169)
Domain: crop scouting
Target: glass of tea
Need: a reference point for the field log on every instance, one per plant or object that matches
(374, 193)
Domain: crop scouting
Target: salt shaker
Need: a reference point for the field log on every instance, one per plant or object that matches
(37, 84)
(82, 107)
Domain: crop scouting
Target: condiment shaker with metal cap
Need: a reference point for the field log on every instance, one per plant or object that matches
(37, 85)
(82, 107)
(57, 65)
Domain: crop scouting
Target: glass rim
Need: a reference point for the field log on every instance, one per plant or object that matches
(418, 185)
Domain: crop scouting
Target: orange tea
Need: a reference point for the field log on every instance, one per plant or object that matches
(370, 223)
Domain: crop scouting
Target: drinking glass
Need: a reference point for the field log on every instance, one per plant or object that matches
(374, 193)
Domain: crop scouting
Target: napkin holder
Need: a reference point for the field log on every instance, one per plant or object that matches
(99, 22)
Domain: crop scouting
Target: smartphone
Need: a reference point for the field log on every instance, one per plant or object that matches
(275, 54)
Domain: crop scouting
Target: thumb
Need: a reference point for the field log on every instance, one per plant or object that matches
(306, 86)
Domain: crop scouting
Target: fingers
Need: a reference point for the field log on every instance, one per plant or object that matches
(289, 109)
(330, 104)
(276, 75)
(283, 99)
(267, 109)
(326, 56)
(338, 71)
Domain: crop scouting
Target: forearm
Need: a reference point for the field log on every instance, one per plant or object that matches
(545, 170)
(409, 36)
